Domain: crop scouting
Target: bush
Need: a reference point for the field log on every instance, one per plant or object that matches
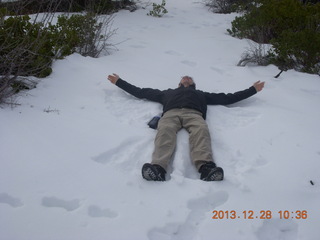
(35, 6)
(227, 6)
(257, 54)
(28, 49)
(297, 50)
(291, 26)
(25, 48)
(82, 34)
(268, 19)
(158, 9)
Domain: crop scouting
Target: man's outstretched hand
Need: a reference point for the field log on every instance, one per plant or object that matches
(113, 78)
(258, 86)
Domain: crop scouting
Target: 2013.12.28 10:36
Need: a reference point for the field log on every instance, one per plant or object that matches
(263, 214)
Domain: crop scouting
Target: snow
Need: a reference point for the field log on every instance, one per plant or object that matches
(72, 152)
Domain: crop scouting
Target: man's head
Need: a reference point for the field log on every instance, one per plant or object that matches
(186, 81)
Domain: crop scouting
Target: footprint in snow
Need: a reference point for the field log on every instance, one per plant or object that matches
(166, 25)
(11, 201)
(260, 161)
(240, 165)
(218, 70)
(188, 230)
(172, 53)
(137, 46)
(189, 63)
(97, 212)
(128, 153)
(285, 229)
(70, 205)
(115, 153)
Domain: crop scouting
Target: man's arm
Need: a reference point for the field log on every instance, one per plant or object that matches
(151, 94)
(226, 99)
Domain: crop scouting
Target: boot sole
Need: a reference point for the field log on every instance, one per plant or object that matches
(150, 173)
(215, 175)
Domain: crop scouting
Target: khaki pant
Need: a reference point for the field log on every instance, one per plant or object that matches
(199, 137)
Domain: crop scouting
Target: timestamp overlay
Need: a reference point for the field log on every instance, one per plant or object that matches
(257, 223)
(300, 214)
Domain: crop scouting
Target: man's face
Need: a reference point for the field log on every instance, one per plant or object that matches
(186, 81)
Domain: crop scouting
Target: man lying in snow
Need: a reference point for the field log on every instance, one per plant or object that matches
(184, 107)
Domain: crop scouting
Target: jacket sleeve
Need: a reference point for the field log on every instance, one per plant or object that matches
(230, 98)
(151, 94)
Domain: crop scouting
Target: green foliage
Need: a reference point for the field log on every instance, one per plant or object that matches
(28, 49)
(36, 6)
(227, 6)
(298, 50)
(268, 19)
(3, 13)
(25, 47)
(291, 26)
(32, 47)
(158, 9)
(77, 33)
(103, 6)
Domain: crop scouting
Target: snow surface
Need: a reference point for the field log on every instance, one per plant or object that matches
(72, 152)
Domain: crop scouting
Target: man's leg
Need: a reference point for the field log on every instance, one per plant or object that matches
(199, 138)
(165, 141)
(165, 144)
(200, 146)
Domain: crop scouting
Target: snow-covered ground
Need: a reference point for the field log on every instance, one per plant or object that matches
(71, 153)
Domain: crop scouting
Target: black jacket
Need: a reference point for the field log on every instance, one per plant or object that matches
(185, 97)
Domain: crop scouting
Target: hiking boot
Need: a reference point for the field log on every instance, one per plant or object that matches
(210, 172)
(153, 172)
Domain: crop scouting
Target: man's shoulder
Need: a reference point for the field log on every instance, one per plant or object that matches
(169, 90)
